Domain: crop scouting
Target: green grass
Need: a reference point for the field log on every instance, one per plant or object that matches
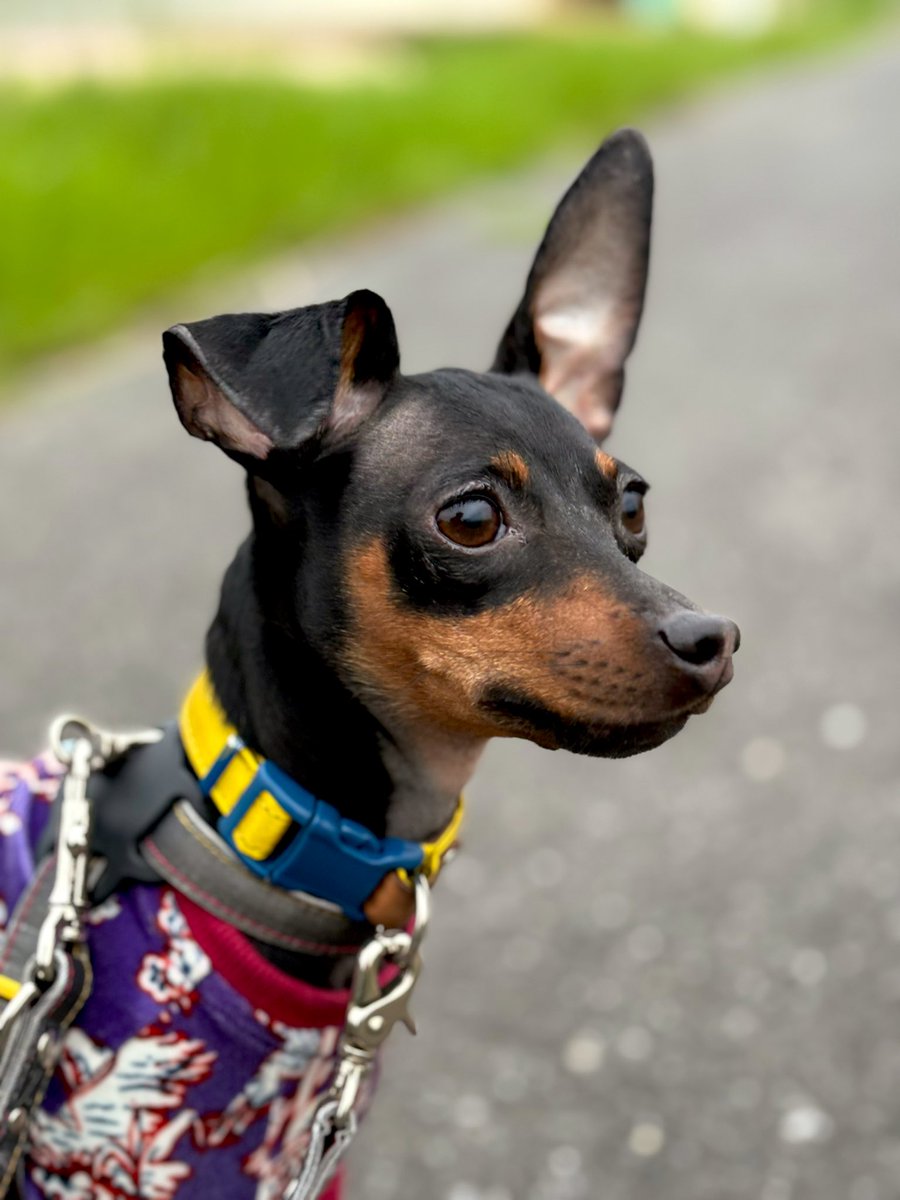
(111, 197)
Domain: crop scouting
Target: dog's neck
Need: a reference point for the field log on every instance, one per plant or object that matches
(288, 704)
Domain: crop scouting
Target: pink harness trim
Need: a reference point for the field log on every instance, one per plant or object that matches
(264, 986)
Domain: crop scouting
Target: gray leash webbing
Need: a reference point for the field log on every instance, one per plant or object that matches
(320, 1163)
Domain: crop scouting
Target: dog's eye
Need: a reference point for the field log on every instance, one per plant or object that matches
(470, 521)
(633, 511)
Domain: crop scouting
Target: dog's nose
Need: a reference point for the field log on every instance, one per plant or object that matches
(700, 638)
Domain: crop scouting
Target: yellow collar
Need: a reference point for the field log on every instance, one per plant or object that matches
(328, 856)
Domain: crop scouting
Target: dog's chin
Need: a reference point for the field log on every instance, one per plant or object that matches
(517, 716)
(610, 741)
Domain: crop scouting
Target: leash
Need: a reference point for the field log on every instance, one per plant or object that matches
(371, 1015)
(56, 978)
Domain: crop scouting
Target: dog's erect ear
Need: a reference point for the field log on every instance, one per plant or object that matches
(579, 316)
(255, 382)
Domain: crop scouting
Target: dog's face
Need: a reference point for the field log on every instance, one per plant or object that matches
(456, 545)
(488, 552)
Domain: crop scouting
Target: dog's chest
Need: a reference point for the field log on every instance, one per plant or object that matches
(174, 1084)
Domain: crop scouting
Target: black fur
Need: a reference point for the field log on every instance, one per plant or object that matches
(343, 452)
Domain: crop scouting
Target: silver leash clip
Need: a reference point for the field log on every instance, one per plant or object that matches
(106, 746)
(56, 979)
(373, 1011)
(82, 748)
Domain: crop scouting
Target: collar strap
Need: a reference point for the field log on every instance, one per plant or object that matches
(282, 832)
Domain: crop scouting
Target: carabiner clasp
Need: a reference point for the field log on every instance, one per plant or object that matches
(376, 1007)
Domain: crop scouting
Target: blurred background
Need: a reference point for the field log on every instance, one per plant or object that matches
(676, 976)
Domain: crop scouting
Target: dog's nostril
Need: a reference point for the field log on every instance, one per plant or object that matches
(698, 638)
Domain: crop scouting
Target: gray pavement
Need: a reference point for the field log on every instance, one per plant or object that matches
(674, 977)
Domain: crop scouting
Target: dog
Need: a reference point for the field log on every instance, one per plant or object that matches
(435, 560)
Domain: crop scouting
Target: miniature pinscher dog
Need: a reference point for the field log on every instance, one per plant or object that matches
(443, 558)
(435, 560)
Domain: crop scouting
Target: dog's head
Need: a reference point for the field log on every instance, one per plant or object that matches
(456, 545)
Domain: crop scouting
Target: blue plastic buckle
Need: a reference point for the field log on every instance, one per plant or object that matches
(328, 856)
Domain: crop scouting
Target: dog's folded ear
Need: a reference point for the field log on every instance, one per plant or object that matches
(578, 318)
(257, 382)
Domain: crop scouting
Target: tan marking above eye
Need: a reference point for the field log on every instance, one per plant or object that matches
(606, 465)
(512, 468)
(570, 652)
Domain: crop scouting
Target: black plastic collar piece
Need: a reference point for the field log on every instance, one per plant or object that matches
(129, 799)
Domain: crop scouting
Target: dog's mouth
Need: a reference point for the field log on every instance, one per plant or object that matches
(517, 715)
(703, 704)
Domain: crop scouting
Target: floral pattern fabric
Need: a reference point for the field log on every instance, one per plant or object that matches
(173, 1085)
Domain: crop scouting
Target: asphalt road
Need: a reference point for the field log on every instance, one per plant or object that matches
(672, 978)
